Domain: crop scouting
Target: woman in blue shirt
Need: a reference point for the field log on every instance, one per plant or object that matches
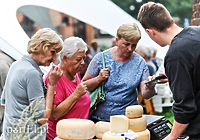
(125, 73)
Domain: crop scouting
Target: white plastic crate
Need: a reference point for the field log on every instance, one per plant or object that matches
(163, 97)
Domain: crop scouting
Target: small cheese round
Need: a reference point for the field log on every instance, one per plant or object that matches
(134, 111)
(144, 135)
(75, 129)
(138, 124)
(101, 128)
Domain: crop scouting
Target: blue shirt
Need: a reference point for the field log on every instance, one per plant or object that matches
(121, 86)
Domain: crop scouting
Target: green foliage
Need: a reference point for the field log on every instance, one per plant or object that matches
(167, 112)
(104, 47)
(178, 8)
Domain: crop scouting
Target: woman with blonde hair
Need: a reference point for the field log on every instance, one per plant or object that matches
(126, 72)
(26, 107)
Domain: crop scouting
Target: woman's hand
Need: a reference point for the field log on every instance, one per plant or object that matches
(54, 75)
(81, 89)
(104, 74)
(150, 85)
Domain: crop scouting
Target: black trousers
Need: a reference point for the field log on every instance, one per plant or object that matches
(194, 137)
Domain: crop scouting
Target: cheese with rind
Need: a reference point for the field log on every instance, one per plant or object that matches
(143, 135)
(75, 129)
(134, 111)
(101, 128)
(138, 124)
(57, 138)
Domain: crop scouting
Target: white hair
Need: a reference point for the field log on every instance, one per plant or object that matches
(72, 45)
(147, 51)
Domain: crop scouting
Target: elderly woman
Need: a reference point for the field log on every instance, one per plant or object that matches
(26, 107)
(125, 74)
(71, 96)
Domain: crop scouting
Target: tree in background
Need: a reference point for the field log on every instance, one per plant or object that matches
(178, 8)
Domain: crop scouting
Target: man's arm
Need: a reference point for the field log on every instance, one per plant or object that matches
(177, 130)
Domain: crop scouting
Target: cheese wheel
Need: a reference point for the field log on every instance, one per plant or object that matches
(144, 135)
(107, 136)
(57, 138)
(134, 111)
(75, 129)
(101, 128)
(138, 124)
(119, 124)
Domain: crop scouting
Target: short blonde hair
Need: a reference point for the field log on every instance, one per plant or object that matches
(44, 39)
(129, 31)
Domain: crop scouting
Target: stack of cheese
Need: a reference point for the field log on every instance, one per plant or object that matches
(137, 122)
(119, 129)
(75, 129)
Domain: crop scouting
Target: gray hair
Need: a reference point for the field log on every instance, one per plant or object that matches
(72, 45)
(147, 51)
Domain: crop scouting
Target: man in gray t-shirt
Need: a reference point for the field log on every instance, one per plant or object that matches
(5, 62)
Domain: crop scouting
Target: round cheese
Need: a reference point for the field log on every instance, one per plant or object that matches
(144, 135)
(75, 129)
(57, 138)
(134, 111)
(101, 128)
(138, 124)
(107, 136)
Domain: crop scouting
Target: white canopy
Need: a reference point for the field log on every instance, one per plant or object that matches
(102, 14)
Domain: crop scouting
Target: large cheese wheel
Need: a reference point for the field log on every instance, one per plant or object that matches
(101, 128)
(138, 124)
(75, 129)
(119, 124)
(134, 111)
(57, 138)
(144, 135)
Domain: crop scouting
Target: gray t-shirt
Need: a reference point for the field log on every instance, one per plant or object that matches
(23, 96)
(5, 62)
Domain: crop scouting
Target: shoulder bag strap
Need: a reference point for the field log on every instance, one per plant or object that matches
(102, 85)
(103, 60)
